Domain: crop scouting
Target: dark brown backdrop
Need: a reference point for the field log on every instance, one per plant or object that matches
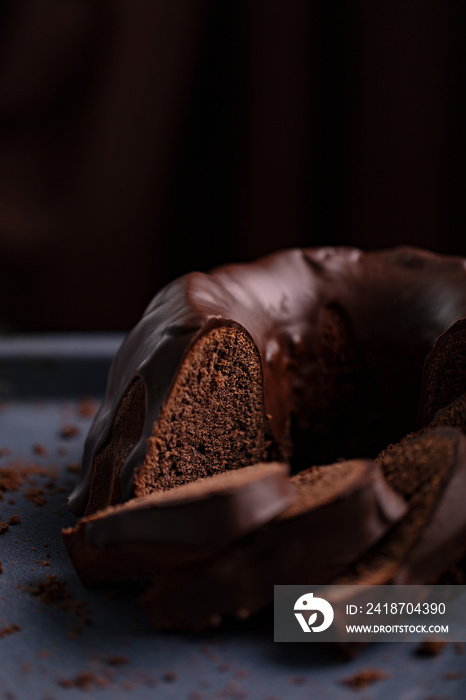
(140, 140)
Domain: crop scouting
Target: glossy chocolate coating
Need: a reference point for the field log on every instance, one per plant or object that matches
(394, 304)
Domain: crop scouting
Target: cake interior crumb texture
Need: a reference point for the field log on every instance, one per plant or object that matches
(445, 373)
(213, 418)
(417, 469)
(319, 485)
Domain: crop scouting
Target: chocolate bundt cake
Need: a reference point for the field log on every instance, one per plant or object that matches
(309, 355)
(304, 357)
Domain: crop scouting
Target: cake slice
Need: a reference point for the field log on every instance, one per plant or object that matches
(339, 512)
(444, 374)
(454, 415)
(429, 472)
(171, 529)
(209, 420)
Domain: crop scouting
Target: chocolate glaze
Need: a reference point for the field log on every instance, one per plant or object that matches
(392, 304)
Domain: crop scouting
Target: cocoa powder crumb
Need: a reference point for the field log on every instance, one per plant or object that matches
(54, 591)
(4, 527)
(73, 632)
(35, 495)
(69, 431)
(11, 629)
(10, 479)
(39, 449)
(361, 680)
(298, 680)
(169, 676)
(116, 660)
(14, 519)
(73, 468)
(86, 680)
(453, 675)
(1, 568)
(87, 407)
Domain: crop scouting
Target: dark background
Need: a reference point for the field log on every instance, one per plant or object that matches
(140, 140)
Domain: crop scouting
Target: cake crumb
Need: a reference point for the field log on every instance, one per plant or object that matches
(430, 648)
(86, 680)
(14, 519)
(35, 495)
(73, 468)
(1, 568)
(170, 676)
(453, 675)
(298, 680)
(4, 527)
(39, 449)
(116, 660)
(69, 431)
(10, 479)
(11, 629)
(87, 407)
(363, 679)
(54, 591)
(74, 632)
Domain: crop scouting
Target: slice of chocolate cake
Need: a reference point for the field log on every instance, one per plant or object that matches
(339, 512)
(444, 375)
(429, 471)
(454, 415)
(171, 529)
(212, 420)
